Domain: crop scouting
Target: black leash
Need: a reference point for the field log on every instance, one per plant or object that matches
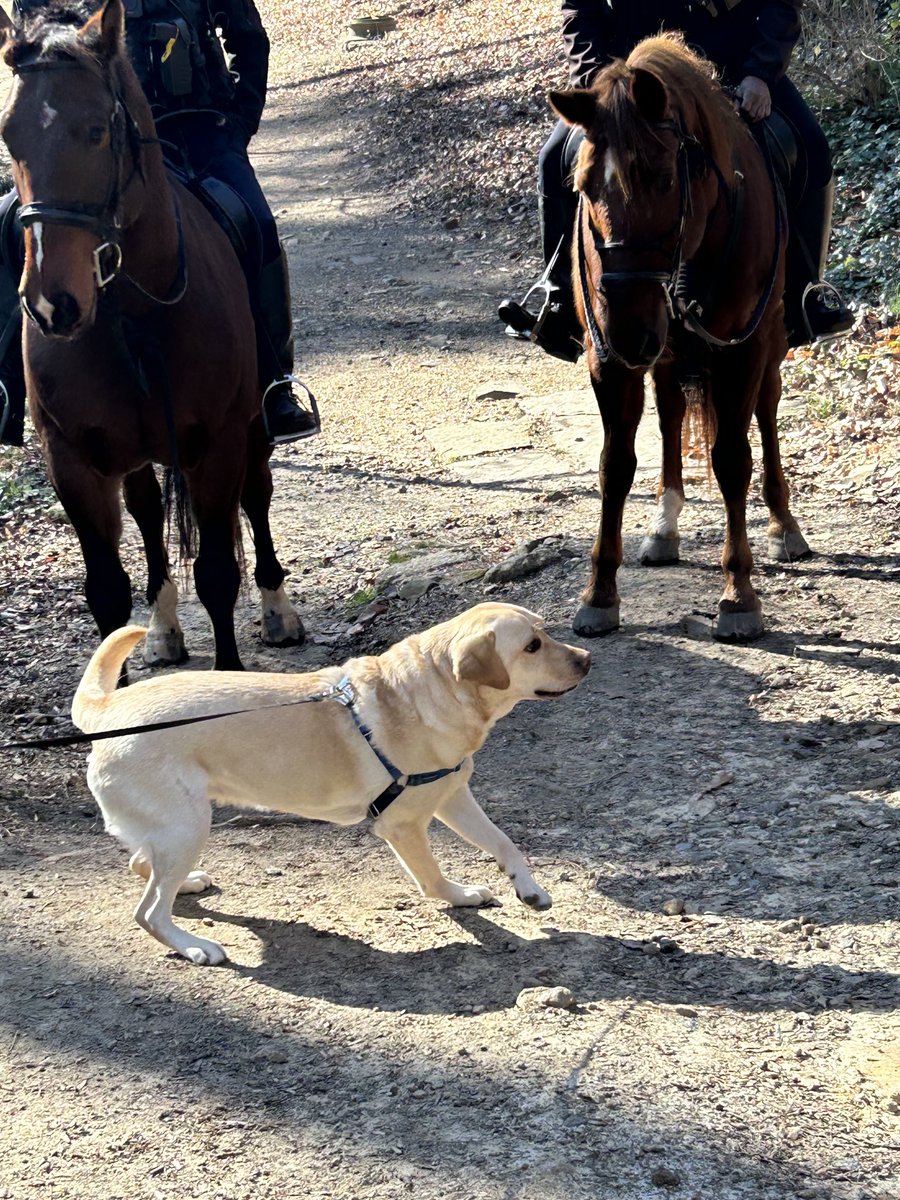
(342, 693)
(76, 739)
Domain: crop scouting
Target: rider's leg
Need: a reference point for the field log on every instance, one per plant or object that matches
(814, 310)
(270, 298)
(12, 377)
(555, 327)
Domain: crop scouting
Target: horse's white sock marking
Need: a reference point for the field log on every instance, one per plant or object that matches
(668, 511)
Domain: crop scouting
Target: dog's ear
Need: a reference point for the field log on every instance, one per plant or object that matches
(475, 659)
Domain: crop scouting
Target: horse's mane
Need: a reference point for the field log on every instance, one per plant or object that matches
(50, 33)
(699, 105)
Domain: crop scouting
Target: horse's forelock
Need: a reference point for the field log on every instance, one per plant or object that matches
(695, 96)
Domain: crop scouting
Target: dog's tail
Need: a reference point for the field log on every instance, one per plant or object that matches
(102, 675)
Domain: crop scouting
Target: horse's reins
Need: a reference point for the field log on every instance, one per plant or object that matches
(105, 219)
(674, 280)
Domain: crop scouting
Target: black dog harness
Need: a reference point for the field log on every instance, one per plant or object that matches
(345, 693)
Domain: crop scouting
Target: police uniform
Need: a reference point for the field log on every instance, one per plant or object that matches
(743, 38)
(207, 108)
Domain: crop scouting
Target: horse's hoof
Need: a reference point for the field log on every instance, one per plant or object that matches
(738, 626)
(658, 550)
(595, 622)
(283, 629)
(165, 649)
(790, 547)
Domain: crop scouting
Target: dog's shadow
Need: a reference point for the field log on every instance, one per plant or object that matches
(488, 969)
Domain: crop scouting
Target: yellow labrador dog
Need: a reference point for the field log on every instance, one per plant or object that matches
(390, 736)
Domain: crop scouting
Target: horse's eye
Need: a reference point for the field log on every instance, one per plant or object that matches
(665, 184)
(533, 646)
(96, 135)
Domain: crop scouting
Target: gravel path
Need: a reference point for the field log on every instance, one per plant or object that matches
(718, 825)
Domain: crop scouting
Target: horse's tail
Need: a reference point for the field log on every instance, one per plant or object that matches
(180, 513)
(698, 431)
(178, 507)
(102, 675)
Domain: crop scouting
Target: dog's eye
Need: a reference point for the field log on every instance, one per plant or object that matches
(533, 646)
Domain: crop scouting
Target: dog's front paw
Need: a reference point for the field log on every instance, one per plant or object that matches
(461, 896)
(535, 897)
(205, 953)
(197, 881)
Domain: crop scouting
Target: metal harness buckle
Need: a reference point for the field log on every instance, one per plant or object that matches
(104, 276)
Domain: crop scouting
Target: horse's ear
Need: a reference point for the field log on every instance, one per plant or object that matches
(7, 32)
(104, 31)
(6, 25)
(576, 107)
(649, 94)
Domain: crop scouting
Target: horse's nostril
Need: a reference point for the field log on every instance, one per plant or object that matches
(66, 313)
(650, 346)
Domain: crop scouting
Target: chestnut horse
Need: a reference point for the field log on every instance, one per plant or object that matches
(140, 346)
(679, 271)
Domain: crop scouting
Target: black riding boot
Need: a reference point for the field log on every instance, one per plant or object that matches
(286, 418)
(814, 311)
(12, 374)
(554, 326)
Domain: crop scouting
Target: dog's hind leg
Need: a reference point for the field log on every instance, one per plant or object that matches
(408, 839)
(462, 813)
(196, 881)
(168, 847)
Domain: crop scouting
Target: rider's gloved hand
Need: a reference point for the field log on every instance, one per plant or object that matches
(753, 97)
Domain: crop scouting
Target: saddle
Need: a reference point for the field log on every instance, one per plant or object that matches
(230, 213)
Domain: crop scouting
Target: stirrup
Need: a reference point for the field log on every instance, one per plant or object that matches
(12, 431)
(309, 423)
(520, 323)
(832, 301)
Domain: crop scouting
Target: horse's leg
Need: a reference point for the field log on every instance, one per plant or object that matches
(620, 398)
(735, 386)
(215, 485)
(143, 499)
(92, 504)
(281, 624)
(660, 546)
(786, 542)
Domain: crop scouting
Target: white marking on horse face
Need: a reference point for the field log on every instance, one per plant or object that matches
(48, 115)
(37, 232)
(668, 511)
(44, 309)
(609, 167)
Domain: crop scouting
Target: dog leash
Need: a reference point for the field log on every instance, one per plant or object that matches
(75, 739)
(342, 692)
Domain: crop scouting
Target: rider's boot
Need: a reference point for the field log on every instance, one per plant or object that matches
(287, 419)
(814, 310)
(546, 315)
(551, 322)
(12, 375)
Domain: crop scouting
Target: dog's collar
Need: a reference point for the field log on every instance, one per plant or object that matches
(345, 693)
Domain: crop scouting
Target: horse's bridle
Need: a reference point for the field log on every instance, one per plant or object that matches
(105, 218)
(674, 280)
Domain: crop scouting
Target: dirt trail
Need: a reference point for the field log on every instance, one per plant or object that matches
(363, 1043)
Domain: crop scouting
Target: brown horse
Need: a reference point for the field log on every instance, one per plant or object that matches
(679, 271)
(140, 346)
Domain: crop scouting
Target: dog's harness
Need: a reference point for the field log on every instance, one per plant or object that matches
(343, 692)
